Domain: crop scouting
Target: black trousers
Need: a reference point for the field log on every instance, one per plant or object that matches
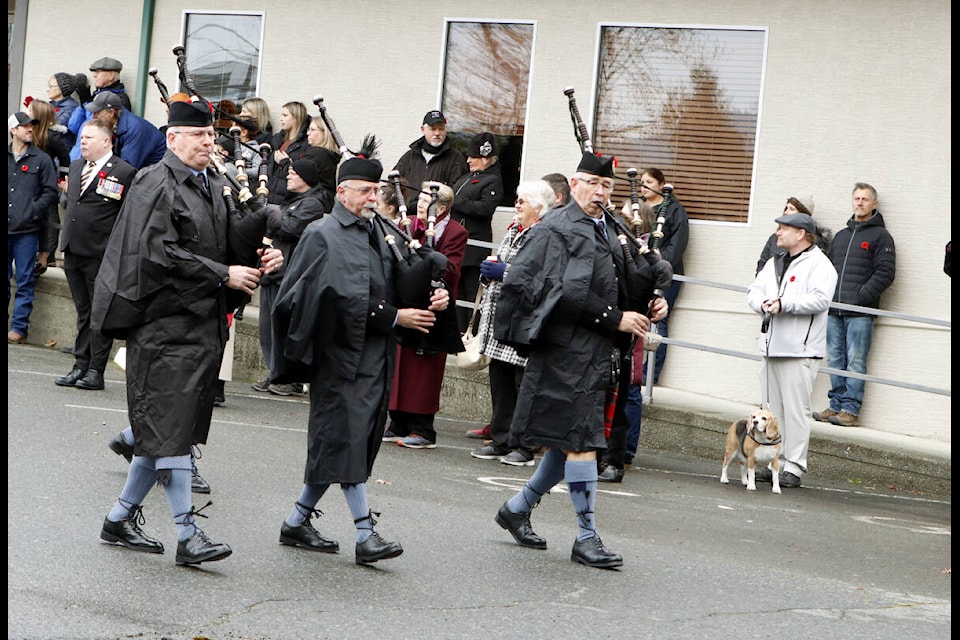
(404, 423)
(91, 349)
(504, 386)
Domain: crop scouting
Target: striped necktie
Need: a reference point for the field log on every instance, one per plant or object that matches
(86, 175)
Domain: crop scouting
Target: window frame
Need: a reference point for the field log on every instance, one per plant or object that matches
(184, 19)
(507, 143)
(696, 211)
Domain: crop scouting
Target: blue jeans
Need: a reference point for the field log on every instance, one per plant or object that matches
(848, 343)
(634, 411)
(21, 259)
(670, 295)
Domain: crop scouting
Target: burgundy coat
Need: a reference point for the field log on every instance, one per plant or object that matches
(417, 379)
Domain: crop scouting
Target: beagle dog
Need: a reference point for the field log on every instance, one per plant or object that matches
(755, 441)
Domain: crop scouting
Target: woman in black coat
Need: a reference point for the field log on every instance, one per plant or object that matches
(477, 195)
(289, 145)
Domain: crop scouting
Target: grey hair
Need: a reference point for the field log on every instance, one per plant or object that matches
(861, 186)
(537, 192)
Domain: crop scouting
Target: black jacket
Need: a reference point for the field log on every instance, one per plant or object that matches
(446, 167)
(476, 197)
(865, 257)
(90, 216)
(293, 217)
(278, 170)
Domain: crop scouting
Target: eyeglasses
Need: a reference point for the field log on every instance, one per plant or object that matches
(364, 191)
(594, 183)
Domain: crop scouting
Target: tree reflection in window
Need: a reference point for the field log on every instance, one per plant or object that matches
(223, 54)
(685, 101)
(485, 86)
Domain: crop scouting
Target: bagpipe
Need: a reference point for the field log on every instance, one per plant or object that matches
(642, 255)
(248, 215)
(417, 268)
(643, 265)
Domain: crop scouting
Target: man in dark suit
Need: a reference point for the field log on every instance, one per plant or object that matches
(92, 207)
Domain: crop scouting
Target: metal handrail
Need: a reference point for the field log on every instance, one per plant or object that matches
(651, 355)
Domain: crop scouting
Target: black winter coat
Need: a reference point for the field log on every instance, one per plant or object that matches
(476, 197)
(446, 167)
(865, 257)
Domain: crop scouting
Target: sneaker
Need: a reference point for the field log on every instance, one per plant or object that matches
(479, 434)
(518, 459)
(765, 475)
(293, 389)
(262, 386)
(390, 436)
(789, 480)
(844, 419)
(489, 452)
(825, 415)
(414, 441)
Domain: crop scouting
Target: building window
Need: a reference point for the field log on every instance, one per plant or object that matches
(686, 101)
(223, 52)
(486, 81)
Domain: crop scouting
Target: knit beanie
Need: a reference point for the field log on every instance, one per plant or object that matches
(68, 83)
(806, 202)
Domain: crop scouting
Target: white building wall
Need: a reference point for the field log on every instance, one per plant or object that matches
(854, 91)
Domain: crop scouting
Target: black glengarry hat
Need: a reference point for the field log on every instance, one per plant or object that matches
(596, 165)
(365, 165)
(190, 114)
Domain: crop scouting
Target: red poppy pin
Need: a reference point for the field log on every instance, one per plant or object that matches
(24, 168)
(474, 181)
(102, 175)
(864, 245)
(792, 278)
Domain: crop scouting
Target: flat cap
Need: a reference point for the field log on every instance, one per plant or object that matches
(106, 64)
(800, 221)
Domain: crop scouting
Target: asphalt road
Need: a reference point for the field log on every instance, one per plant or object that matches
(701, 559)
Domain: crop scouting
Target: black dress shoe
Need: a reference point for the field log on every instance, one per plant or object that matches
(199, 548)
(92, 381)
(127, 532)
(592, 553)
(121, 448)
(611, 474)
(71, 378)
(306, 536)
(197, 483)
(518, 524)
(376, 548)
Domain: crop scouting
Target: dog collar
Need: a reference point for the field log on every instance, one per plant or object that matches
(777, 441)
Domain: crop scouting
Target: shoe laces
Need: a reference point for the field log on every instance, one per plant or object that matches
(188, 517)
(308, 513)
(136, 516)
(195, 454)
(370, 516)
(584, 521)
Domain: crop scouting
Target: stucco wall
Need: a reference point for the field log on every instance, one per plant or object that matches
(855, 91)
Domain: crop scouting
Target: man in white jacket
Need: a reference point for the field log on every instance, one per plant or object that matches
(792, 292)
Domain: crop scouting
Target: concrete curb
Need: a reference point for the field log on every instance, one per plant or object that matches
(675, 420)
